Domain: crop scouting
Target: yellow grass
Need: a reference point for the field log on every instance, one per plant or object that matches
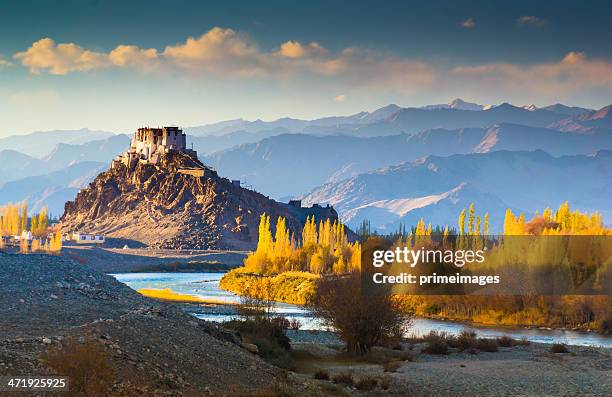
(167, 294)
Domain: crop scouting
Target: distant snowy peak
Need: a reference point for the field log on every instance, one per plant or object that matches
(458, 104)
(530, 107)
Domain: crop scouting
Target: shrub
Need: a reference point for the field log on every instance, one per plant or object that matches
(87, 364)
(406, 356)
(367, 383)
(471, 350)
(273, 353)
(295, 324)
(361, 320)
(281, 322)
(523, 342)
(505, 341)
(467, 339)
(487, 345)
(392, 366)
(343, 378)
(436, 343)
(321, 375)
(261, 328)
(559, 348)
(269, 337)
(385, 382)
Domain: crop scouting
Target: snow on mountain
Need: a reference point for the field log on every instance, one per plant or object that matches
(437, 188)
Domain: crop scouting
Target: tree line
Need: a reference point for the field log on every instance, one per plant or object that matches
(15, 220)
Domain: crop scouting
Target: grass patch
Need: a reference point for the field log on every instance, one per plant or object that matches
(343, 378)
(168, 295)
(366, 383)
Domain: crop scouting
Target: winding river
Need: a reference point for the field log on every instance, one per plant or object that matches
(206, 285)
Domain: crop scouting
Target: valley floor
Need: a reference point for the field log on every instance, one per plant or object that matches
(158, 349)
(512, 371)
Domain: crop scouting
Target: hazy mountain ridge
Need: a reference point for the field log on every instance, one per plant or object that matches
(39, 144)
(289, 164)
(393, 119)
(438, 187)
(16, 165)
(52, 189)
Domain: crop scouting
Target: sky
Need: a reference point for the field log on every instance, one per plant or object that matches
(117, 65)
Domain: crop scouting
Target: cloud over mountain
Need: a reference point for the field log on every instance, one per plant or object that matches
(229, 53)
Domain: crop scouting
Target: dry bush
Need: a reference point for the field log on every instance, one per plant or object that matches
(344, 378)
(392, 366)
(523, 342)
(487, 345)
(471, 350)
(506, 341)
(467, 339)
(436, 343)
(363, 319)
(406, 356)
(559, 348)
(385, 382)
(321, 375)
(87, 364)
(366, 383)
(295, 324)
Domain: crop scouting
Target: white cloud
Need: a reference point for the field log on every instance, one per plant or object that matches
(573, 73)
(468, 23)
(61, 58)
(530, 20)
(295, 49)
(132, 56)
(227, 53)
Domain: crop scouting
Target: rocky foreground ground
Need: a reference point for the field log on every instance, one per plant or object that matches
(156, 348)
(512, 371)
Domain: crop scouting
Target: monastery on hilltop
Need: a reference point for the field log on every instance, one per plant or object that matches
(150, 144)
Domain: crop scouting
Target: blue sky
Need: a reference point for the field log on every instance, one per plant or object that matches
(115, 65)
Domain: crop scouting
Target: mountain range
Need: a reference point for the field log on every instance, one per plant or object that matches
(288, 158)
(437, 188)
(291, 164)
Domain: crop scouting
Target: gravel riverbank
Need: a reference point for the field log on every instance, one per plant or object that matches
(46, 298)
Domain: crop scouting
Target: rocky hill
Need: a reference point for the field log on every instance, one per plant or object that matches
(177, 203)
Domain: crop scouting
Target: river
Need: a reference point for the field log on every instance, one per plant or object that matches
(206, 285)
